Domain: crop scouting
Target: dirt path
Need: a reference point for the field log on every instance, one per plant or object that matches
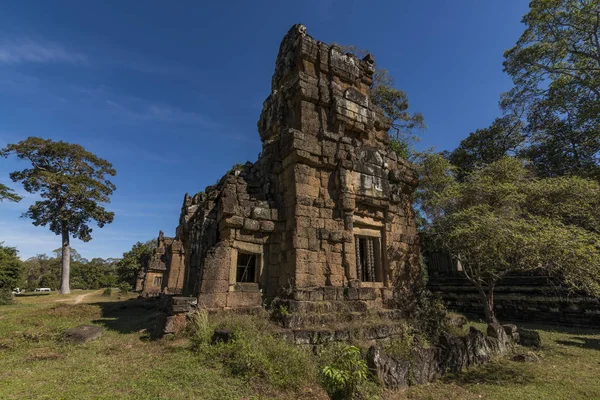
(78, 299)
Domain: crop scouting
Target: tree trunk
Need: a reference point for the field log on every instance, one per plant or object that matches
(65, 287)
(488, 304)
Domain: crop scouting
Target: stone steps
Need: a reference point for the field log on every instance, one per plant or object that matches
(321, 336)
(327, 315)
(331, 306)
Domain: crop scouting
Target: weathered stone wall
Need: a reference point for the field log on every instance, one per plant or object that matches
(325, 178)
(520, 298)
(168, 264)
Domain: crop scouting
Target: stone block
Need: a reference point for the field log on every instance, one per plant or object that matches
(175, 324)
(243, 299)
(83, 333)
(351, 293)
(212, 300)
(261, 213)
(267, 226)
(392, 373)
(425, 365)
(367, 294)
(315, 295)
(529, 338)
(235, 221)
(251, 225)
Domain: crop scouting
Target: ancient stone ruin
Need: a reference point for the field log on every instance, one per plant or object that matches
(166, 268)
(324, 214)
(320, 226)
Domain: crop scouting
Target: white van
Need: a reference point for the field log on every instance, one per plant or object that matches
(43, 289)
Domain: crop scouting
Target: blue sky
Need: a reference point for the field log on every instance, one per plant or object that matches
(170, 92)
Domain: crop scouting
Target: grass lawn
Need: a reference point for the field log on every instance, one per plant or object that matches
(128, 363)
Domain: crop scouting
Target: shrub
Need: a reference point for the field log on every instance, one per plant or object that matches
(400, 348)
(107, 292)
(344, 373)
(258, 355)
(6, 297)
(423, 310)
(254, 352)
(124, 288)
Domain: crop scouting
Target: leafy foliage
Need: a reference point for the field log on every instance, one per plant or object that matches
(500, 218)
(423, 310)
(485, 146)
(7, 193)
(44, 271)
(135, 260)
(555, 66)
(124, 288)
(11, 268)
(345, 372)
(253, 352)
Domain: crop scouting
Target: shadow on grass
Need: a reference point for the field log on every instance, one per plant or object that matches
(581, 342)
(500, 373)
(569, 330)
(142, 316)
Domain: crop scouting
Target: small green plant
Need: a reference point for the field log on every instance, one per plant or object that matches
(107, 292)
(345, 372)
(124, 288)
(283, 310)
(399, 147)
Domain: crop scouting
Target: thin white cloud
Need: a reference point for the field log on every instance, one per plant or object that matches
(142, 110)
(25, 50)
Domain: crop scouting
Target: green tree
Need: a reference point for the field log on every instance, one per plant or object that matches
(135, 260)
(11, 272)
(11, 268)
(42, 271)
(485, 146)
(73, 185)
(7, 193)
(500, 218)
(394, 103)
(555, 66)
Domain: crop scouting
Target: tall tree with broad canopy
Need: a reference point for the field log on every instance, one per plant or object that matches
(73, 184)
(555, 66)
(500, 219)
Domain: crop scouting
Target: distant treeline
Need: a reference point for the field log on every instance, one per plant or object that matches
(45, 271)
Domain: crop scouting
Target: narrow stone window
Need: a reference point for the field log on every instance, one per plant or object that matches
(157, 280)
(368, 259)
(246, 267)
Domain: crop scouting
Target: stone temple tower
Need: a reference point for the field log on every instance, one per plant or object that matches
(324, 213)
